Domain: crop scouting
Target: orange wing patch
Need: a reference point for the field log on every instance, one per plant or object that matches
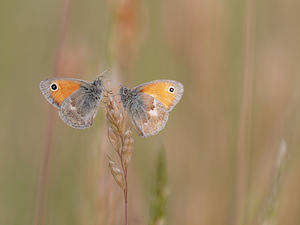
(160, 91)
(65, 89)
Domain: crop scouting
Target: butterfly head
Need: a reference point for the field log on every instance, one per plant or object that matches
(126, 96)
(97, 82)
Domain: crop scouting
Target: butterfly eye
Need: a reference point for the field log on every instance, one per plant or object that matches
(53, 87)
(124, 90)
(172, 89)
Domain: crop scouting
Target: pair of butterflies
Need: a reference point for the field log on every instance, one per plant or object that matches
(148, 105)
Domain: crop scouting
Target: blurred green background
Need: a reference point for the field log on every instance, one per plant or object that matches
(199, 43)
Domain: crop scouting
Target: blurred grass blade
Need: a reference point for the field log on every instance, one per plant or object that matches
(268, 216)
(158, 212)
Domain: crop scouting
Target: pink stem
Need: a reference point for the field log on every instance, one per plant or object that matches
(42, 193)
(125, 195)
(126, 189)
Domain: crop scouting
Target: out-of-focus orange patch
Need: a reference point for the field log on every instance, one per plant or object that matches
(65, 89)
(160, 91)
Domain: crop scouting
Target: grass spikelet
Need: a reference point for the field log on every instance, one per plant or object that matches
(114, 139)
(117, 174)
(158, 213)
(127, 148)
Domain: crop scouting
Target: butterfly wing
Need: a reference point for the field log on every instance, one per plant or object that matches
(148, 115)
(65, 87)
(168, 92)
(79, 109)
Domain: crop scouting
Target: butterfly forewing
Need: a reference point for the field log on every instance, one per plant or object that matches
(65, 87)
(168, 92)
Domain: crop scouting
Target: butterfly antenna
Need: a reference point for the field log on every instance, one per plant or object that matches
(100, 75)
(107, 91)
(114, 82)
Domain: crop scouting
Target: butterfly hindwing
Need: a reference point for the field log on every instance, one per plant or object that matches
(148, 115)
(79, 109)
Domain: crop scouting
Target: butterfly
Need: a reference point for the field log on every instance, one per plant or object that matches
(148, 105)
(77, 100)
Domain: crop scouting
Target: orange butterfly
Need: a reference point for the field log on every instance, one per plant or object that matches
(77, 100)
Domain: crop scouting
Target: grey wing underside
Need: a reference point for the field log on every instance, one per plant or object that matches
(148, 115)
(79, 110)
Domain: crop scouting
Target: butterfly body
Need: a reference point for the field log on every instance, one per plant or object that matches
(149, 104)
(77, 100)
